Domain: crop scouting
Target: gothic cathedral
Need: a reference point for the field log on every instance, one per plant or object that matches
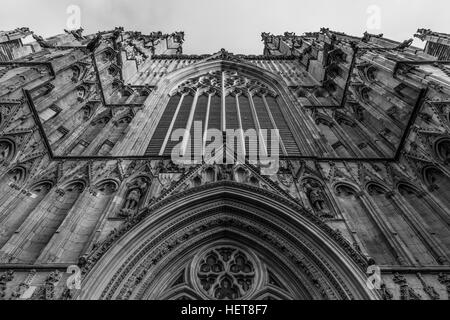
(317, 170)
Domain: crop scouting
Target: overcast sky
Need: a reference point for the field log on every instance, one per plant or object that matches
(232, 24)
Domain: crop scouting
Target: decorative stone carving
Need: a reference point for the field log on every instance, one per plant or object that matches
(41, 41)
(23, 286)
(234, 83)
(25, 158)
(367, 36)
(107, 188)
(170, 167)
(47, 292)
(77, 33)
(225, 172)
(317, 198)
(406, 292)
(405, 44)
(445, 280)
(429, 290)
(423, 33)
(6, 277)
(386, 294)
(136, 191)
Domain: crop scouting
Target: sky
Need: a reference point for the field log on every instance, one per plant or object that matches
(235, 25)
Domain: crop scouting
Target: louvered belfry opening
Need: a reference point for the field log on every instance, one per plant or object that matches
(223, 101)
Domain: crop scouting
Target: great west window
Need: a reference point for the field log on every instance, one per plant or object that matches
(222, 101)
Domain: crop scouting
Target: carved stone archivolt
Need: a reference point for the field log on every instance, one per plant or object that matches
(185, 232)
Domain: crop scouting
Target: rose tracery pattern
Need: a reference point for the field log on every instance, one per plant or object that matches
(226, 273)
(228, 82)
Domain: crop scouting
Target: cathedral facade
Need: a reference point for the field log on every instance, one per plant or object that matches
(317, 170)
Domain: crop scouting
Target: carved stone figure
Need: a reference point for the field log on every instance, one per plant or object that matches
(132, 199)
(225, 172)
(317, 198)
(4, 279)
(137, 190)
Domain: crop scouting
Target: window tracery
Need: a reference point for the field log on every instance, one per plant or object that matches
(226, 273)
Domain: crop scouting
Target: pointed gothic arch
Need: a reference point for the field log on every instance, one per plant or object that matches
(312, 260)
(166, 103)
(386, 200)
(438, 184)
(435, 219)
(330, 135)
(81, 226)
(17, 211)
(364, 222)
(442, 149)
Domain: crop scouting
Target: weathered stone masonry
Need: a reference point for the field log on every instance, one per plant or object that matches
(86, 176)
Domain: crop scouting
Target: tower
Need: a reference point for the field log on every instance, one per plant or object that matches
(317, 170)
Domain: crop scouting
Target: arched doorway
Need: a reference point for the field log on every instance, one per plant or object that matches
(226, 240)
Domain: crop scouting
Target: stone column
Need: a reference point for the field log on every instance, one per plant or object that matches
(404, 256)
(416, 223)
(53, 249)
(15, 245)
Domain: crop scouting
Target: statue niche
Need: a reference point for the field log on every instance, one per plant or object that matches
(317, 198)
(136, 192)
(443, 150)
(225, 172)
(6, 150)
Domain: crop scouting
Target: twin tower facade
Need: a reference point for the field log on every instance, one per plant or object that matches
(129, 170)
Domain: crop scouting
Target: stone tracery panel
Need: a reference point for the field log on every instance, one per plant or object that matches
(226, 273)
(223, 100)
